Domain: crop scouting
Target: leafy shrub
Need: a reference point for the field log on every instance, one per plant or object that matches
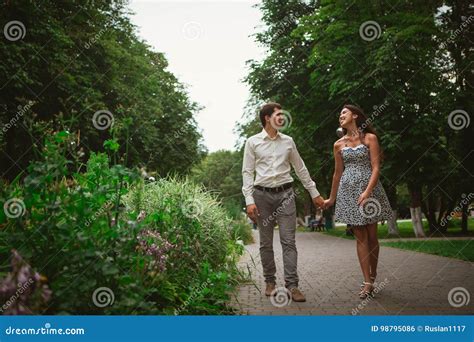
(77, 231)
(243, 230)
(193, 220)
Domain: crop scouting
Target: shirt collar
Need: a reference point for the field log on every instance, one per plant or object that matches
(264, 134)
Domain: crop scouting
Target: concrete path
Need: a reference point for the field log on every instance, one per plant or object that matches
(409, 283)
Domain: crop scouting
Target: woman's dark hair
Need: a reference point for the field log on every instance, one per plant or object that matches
(268, 109)
(363, 124)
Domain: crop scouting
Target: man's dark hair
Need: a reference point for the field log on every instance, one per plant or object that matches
(268, 109)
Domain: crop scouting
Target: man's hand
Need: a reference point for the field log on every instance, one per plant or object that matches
(319, 202)
(252, 212)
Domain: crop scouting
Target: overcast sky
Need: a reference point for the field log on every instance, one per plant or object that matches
(207, 44)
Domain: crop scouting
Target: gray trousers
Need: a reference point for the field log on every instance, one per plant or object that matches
(279, 207)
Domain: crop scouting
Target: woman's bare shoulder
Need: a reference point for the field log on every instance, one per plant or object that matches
(338, 144)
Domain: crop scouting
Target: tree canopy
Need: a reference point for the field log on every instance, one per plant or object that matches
(63, 64)
(404, 64)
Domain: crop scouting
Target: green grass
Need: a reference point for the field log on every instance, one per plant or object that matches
(459, 249)
(406, 230)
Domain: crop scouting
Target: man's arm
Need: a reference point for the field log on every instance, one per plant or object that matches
(248, 175)
(303, 175)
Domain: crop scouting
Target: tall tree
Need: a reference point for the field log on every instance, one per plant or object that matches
(80, 66)
(384, 57)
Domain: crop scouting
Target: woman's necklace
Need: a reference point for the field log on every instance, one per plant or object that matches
(348, 139)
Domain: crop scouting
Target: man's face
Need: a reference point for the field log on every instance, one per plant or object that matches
(277, 119)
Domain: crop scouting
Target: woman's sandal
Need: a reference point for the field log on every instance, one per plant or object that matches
(363, 294)
(372, 279)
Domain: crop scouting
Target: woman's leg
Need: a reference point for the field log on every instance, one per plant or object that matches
(363, 252)
(373, 248)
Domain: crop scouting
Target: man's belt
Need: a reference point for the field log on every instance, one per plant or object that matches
(277, 189)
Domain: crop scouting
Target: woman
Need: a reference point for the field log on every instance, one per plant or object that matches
(360, 198)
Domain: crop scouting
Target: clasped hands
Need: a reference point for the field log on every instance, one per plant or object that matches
(320, 202)
(326, 204)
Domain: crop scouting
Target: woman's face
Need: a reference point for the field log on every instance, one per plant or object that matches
(346, 117)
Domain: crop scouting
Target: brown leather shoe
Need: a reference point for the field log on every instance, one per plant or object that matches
(269, 289)
(297, 295)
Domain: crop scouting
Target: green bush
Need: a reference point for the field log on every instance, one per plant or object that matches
(82, 232)
(192, 219)
(243, 230)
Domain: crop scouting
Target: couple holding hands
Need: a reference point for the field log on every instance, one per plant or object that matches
(356, 192)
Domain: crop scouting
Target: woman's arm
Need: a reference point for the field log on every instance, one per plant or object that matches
(338, 168)
(374, 148)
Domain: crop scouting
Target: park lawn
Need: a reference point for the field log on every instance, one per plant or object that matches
(459, 249)
(406, 230)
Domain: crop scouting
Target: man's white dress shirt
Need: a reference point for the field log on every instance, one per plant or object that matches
(269, 161)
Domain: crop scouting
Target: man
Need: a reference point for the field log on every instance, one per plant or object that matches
(270, 198)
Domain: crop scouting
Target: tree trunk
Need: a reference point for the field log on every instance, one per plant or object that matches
(432, 207)
(308, 207)
(464, 208)
(328, 215)
(417, 221)
(392, 224)
(415, 212)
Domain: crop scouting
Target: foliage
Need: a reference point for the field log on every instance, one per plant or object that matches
(193, 221)
(221, 172)
(408, 78)
(243, 230)
(80, 58)
(78, 231)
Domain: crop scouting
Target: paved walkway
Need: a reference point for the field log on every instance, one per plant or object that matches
(410, 283)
